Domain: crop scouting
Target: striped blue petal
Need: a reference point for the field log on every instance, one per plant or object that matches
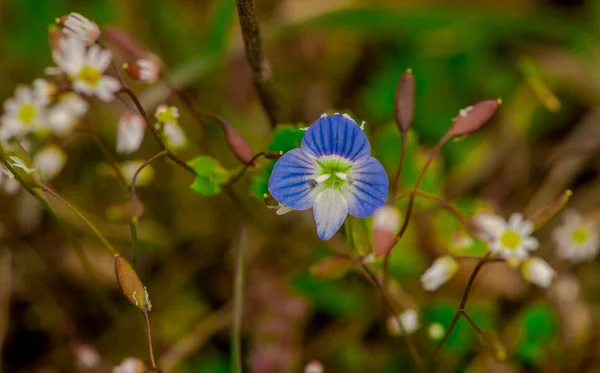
(330, 210)
(291, 180)
(336, 135)
(368, 189)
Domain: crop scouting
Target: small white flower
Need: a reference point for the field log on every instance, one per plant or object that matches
(314, 367)
(50, 161)
(145, 176)
(85, 68)
(130, 133)
(8, 184)
(63, 116)
(23, 114)
(436, 331)
(510, 240)
(538, 272)
(167, 114)
(148, 70)
(87, 357)
(82, 28)
(440, 272)
(409, 320)
(130, 365)
(386, 218)
(43, 91)
(168, 119)
(576, 239)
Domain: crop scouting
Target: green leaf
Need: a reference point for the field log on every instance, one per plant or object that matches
(211, 176)
(539, 327)
(285, 138)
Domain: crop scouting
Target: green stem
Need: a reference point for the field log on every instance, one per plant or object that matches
(238, 304)
(108, 245)
(134, 239)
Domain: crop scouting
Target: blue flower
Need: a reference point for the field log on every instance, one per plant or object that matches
(332, 172)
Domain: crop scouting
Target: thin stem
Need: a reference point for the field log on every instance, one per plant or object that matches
(434, 153)
(134, 239)
(238, 304)
(137, 172)
(154, 132)
(463, 303)
(400, 163)
(150, 350)
(259, 63)
(444, 205)
(109, 157)
(244, 169)
(110, 247)
(470, 320)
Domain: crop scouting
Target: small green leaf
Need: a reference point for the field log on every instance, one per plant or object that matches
(539, 327)
(210, 176)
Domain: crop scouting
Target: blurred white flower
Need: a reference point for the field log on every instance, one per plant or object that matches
(23, 114)
(440, 272)
(63, 116)
(80, 27)
(85, 68)
(144, 70)
(409, 320)
(130, 365)
(538, 272)
(8, 184)
(386, 221)
(145, 176)
(43, 91)
(576, 239)
(87, 357)
(50, 161)
(314, 367)
(130, 133)
(510, 240)
(168, 121)
(436, 331)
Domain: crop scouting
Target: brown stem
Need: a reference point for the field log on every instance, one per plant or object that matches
(400, 163)
(411, 347)
(137, 172)
(154, 132)
(109, 157)
(244, 169)
(259, 63)
(470, 320)
(463, 303)
(150, 350)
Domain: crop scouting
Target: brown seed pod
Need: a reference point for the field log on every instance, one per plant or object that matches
(404, 107)
(472, 118)
(546, 213)
(130, 283)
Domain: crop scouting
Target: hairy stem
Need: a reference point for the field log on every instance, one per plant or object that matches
(259, 63)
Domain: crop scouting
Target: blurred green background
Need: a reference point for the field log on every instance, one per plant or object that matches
(540, 57)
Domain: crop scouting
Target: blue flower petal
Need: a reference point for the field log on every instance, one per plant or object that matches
(368, 189)
(289, 182)
(338, 135)
(330, 210)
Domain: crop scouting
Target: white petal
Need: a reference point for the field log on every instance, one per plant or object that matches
(330, 210)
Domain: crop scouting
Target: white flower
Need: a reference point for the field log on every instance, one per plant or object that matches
(576, 239)
(130, 133)
(85, 68)
(510, 240)
(23, 114)
(80, 27)
(314, 367)
(409, 320)
(8, 184)
(87, 357)
(63, 116)
(130, 365)
(50, 161)
(440, 272)
(145, 176)
(43, 91)
(436, 331)
(538, 272)
(168, 119)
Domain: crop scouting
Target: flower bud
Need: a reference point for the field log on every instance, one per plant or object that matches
(474, 117)
(130, 365)
(74, 24)
(440, 272)
(409, 320)
(144, 70)
(314, 367)
(273, 155)
(538, 272)
(385, 224)
(130, 284)
(130, 133)
(405, 101)
(543, 215)
(238, 144)
(493, 344)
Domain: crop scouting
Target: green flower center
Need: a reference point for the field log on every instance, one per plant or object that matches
(166, 116)
(90, 75)
(338, 170)
(510, 239)
(580, 235)
(27, 113)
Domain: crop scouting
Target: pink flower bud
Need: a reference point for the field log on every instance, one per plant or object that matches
(385, 224)
(405, 101)
(474, 117)
(144, 70)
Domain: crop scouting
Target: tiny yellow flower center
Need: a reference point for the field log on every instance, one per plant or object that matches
(27, 113)
(510, 239)
(580, 235)
(90, 75)
(166, 116)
